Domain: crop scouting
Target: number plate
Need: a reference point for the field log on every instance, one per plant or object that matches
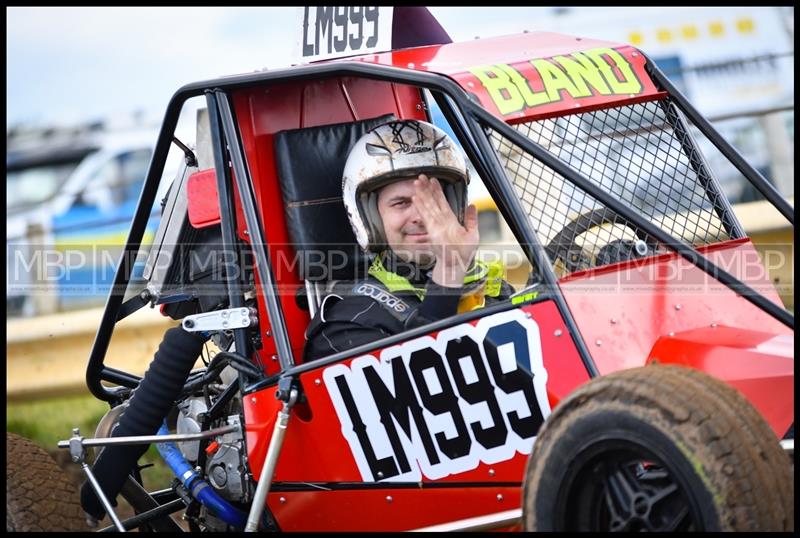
(335, 31)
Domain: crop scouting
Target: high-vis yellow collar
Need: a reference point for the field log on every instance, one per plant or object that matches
(482, 279)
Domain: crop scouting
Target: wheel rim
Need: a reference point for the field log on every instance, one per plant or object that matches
(622, 486)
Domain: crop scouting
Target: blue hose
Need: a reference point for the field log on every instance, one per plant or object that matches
(198, 487)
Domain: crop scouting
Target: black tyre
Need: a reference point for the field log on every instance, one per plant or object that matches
(39, 496)
(657, 448)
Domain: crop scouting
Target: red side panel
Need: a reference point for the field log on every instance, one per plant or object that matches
(760, 365)
(262, 112)
(322, 443)
(622, 309)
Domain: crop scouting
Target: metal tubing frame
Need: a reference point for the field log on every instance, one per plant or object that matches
(149, 439)
(752, 175)
(264, 268)
(471, 112)
(704, 173)
(227, 215)
(510, 205)
(162, 510)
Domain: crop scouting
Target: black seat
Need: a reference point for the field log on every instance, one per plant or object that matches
(310, 163)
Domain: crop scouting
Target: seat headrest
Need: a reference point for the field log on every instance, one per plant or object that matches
(310, 164)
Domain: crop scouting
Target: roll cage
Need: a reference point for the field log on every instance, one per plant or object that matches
(469, 121)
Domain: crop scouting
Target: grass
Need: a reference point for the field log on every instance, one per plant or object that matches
(45, 422)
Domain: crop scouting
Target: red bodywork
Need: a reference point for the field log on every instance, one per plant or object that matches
(629, 314)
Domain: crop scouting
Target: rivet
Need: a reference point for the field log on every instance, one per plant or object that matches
(253, 399)
(499, 497)
(380, 474)
(613, 321)
(243, 311)
(598, 342)
(224, 324)
(224, 314)
(282, 500)
(528, 315)
(274, 357)
(317, 382)
(470, 84)
(491, 472)
(557, 332)
(671, 333)
(411, 65)
(677, 306)
(388, 498)
(268, 334)
(246, 232)
(714, 324)
(634, 54)
(419, 106)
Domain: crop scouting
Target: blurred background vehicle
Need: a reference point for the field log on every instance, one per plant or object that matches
(71, 194)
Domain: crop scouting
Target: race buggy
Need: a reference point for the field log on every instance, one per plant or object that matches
(640, 378)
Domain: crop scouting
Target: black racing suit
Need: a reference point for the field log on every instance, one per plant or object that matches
(357, 313)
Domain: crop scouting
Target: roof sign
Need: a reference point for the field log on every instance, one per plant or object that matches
(326, 32)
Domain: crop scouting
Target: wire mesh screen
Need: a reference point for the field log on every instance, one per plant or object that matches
(640, 154)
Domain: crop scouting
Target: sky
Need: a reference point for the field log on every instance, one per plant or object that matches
(67, 65)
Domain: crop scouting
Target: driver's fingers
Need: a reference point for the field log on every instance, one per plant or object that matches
(432, 190)
(424, 200)
(438, 194)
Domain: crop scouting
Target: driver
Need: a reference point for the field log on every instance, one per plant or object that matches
(405, 191)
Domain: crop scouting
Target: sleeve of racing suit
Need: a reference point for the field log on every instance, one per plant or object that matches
(440, 302)
(348, 324)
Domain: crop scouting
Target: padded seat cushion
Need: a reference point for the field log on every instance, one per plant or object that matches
(310, 163)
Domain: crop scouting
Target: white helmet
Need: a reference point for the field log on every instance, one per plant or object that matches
(397, 151)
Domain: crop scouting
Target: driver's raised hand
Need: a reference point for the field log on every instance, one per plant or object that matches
(452, 244)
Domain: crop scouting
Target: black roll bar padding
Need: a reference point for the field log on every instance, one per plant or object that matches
(753, 175)
(432, 81)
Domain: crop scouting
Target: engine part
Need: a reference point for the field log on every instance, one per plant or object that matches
(149, 404)
(198, 487)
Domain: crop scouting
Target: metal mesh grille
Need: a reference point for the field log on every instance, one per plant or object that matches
(641, 155)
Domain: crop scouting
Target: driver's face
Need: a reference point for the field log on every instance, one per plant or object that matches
(404, 228)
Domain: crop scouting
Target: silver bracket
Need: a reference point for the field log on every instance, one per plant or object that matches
(220, 320)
